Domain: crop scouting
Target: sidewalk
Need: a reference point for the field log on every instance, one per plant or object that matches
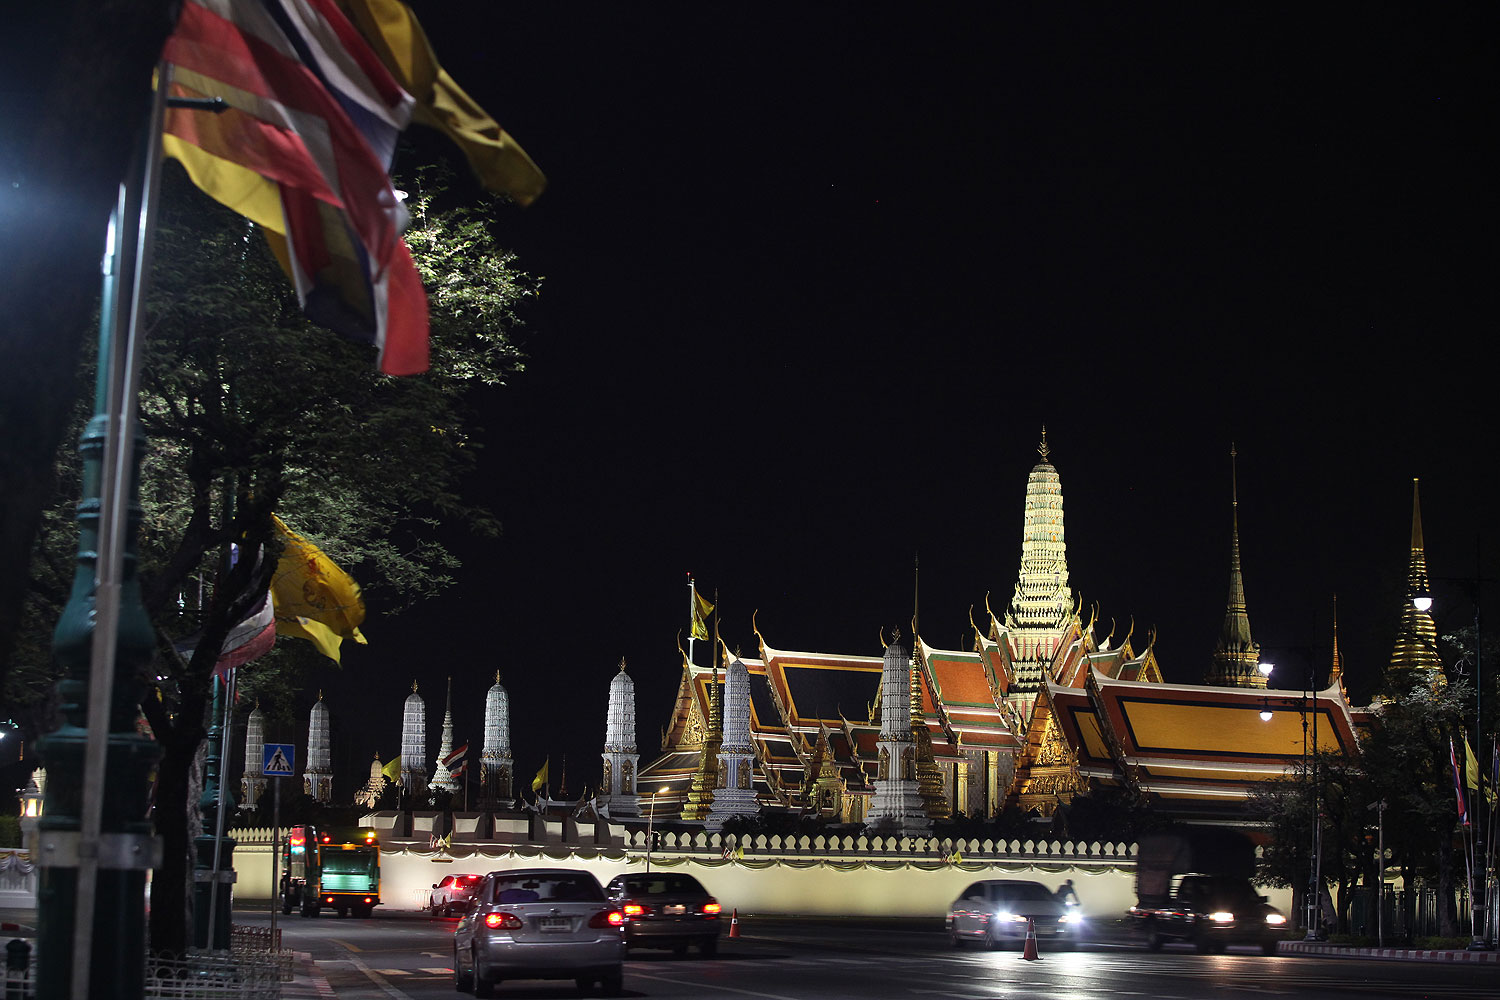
(1119, 933)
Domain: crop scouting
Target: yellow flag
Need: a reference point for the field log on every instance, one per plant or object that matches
(314, 599)
(398, 39)
(541, 777)
(392, 771)
(701, 610)
(1471, 766)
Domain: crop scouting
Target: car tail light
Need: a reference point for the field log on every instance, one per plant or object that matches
(634, 910)
(330, 900)
(369, 899)
(607, 918)
(712, 908)
(503, 921)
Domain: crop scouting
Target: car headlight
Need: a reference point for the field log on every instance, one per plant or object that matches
(1071, 917)
(1221, 917)
(1275, 919)
(1014, 918)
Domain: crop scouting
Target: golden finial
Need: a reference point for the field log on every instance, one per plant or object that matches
(320, 694)
(883, 643)
(497, 677)
(413, 687)
(1234, 480)
(1042, 448)
(622, 664)
(1130, 633)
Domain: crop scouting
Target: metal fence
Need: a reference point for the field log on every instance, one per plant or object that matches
(253, 969)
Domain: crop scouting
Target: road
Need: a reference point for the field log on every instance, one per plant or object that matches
(407, 956)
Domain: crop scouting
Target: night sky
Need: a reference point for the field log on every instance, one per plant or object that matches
(814, 280)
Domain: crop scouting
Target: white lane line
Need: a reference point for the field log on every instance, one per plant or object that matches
(374, 977)
(714, 988)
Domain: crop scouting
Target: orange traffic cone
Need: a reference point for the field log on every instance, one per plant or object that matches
(1029, 952)
(734, 923)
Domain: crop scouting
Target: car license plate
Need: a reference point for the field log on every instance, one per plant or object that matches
(674, 909)
(555, 924)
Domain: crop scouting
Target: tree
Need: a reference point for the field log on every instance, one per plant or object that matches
(75, 94)
(249, 410)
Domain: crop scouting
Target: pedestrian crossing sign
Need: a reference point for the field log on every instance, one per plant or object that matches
(279, 758)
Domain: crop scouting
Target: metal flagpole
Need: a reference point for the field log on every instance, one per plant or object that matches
(692, 616)
(275, 859)
(213, 888)
(122, 383)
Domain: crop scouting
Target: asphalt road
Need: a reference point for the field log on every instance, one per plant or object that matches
(400, 955)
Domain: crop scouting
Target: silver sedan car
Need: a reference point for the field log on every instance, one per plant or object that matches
(539, 923)
(996, 911)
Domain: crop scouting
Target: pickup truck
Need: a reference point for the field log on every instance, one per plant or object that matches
(1213, 912)
(1195, 886)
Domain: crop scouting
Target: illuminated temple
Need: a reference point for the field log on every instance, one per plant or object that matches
(1039, 708)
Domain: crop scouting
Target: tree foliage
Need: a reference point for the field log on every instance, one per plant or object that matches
(248, 410)
(1403, 761)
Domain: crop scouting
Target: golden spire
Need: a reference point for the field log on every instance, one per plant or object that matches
(929, 778)
(1042, 448)
(1236, 657)
(1415, 653)
(1336, 669)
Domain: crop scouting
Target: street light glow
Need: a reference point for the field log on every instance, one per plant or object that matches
(1422, 602)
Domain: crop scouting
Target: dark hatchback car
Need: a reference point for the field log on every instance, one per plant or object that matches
(666, 910)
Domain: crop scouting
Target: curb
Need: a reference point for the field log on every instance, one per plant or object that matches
(1397, 954)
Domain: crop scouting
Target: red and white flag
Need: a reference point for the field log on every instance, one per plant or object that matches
(1458, 784)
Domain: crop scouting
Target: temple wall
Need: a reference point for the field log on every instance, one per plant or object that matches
(766, 875)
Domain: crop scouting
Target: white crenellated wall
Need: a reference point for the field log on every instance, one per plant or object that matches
(768, 875)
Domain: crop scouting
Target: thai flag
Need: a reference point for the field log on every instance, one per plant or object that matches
(456, 756)
(1458, 784)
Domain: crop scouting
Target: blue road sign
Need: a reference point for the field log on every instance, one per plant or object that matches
(279, 758)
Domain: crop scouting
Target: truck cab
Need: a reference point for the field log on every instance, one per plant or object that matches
(1212, 912)
(1194, 886)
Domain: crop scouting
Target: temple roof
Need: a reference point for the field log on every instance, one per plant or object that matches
(963, 700)
(1182, 741)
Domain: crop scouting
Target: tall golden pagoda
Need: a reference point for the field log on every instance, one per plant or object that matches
(1415, 656)
(700, 797)
(1041, 610)
(929, 778)
(1236, 661)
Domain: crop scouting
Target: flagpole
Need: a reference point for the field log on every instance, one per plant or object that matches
(692, 616)
(105, 601)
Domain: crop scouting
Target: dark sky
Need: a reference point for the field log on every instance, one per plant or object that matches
(816, 278)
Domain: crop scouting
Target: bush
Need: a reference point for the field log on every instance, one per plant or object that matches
(10, 831)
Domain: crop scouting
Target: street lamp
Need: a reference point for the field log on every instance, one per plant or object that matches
(1379, 808)
(1315, 869)
(650, 818)
(1480, 876)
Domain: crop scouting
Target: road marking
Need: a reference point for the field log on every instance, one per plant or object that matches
(370, 973)
(437, 972)
(715, 988)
